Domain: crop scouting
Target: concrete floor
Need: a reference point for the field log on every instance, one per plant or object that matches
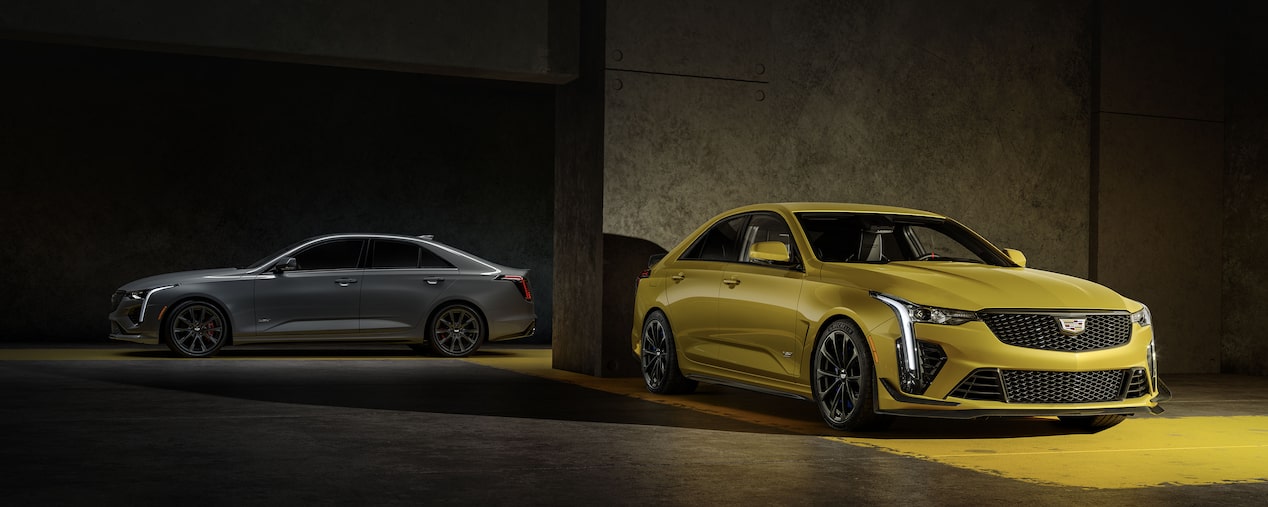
(379, 425)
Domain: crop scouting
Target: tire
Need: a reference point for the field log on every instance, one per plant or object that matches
(659, 358)
(1092, 422)
(456, 331)
(843, 379)
(196, 329)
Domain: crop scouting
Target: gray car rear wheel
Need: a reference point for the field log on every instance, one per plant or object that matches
(196, 329)
(456, 331)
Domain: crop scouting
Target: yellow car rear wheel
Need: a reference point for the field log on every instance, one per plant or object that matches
(659, 358)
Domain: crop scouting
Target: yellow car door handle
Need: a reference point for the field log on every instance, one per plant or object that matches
(678, 277)
(731, 282)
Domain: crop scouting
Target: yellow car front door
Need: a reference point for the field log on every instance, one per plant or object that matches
(758, 322)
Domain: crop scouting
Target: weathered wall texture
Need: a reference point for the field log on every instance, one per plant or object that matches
(1160, 213)
(120, 164)
(500, 39)
(974, 109)
(1245, 345)
(1160, 161)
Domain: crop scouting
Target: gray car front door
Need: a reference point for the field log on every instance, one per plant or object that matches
(320, 299)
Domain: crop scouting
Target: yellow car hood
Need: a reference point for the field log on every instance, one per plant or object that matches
(968, 286)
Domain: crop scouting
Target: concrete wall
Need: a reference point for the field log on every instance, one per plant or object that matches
(1245, 285)
(120, 164)
(981, 110)
(1159, 185)
(974, 109)
(500, 39)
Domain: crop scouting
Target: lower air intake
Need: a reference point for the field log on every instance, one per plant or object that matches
(1024, 386)
(1028, 386)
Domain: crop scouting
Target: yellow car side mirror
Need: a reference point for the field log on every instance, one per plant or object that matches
(769, 251)
(1016, 256)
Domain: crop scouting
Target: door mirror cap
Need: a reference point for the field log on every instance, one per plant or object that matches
(769, 251)
(1016, 256)
(287, 264)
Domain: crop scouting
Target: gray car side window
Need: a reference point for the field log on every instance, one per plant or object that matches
(338, 254)
(429, 259)
(394, 254)
(389, 254)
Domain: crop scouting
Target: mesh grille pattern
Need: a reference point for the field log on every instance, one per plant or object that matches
(1024, 386)
(1039, 331)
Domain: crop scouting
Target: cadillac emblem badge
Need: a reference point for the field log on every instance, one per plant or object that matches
(1072, 326)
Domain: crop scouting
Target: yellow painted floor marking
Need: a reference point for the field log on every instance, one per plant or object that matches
(244, 353)
(1137, 453)
(1141, 452)
(1144, 452)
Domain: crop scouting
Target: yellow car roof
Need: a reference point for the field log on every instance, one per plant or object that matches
(796, 207)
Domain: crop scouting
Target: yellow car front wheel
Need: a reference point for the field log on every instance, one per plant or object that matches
(1092, 422)
(844, 379)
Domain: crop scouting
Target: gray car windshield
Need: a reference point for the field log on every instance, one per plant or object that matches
(265, 260)
(882, 238)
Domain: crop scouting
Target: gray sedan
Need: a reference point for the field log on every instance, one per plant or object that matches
(338, 287)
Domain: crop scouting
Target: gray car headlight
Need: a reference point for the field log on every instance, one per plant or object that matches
(1142, 317)
(144, 297)
(144, 293)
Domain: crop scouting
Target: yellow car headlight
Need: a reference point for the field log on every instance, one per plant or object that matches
(1142, 317)
(908, 314)
(935, 315)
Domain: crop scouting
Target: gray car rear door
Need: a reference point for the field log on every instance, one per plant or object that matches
(400, 286)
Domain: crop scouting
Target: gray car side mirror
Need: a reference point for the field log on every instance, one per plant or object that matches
(287, 264)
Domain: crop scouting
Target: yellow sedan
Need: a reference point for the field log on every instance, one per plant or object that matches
(875, 311)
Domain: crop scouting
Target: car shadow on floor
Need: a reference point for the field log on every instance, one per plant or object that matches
(308, 353)
(461, 387)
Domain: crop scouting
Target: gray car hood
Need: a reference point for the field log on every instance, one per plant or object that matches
(181, 277)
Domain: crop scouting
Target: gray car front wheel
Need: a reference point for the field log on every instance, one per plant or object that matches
(456, 331)
(196, 329)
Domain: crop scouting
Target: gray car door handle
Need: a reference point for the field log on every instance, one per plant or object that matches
(343, 282)
(433, 280)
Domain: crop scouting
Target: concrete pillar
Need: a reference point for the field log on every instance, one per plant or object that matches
(1244, 347)
(1157, 170)
(578, 298)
